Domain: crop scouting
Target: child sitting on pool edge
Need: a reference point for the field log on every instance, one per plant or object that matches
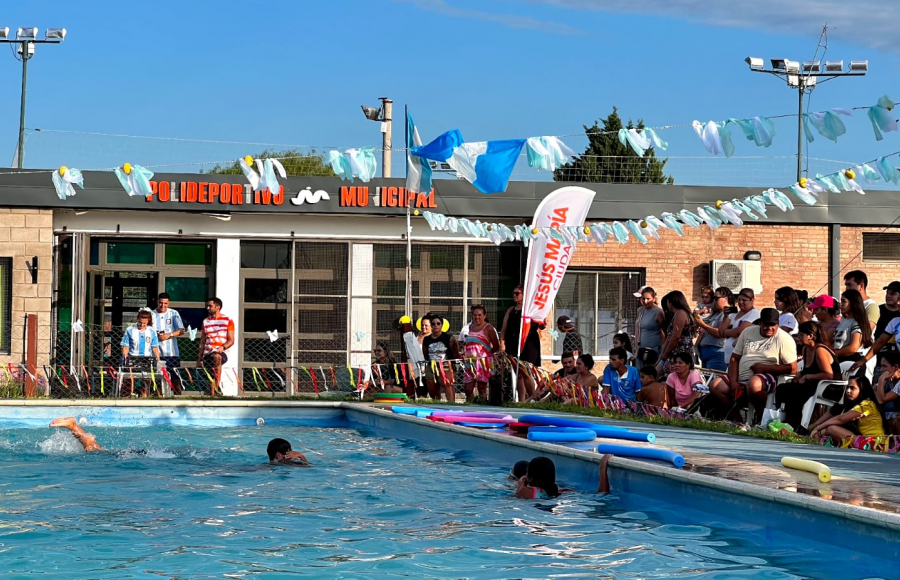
(540, 480)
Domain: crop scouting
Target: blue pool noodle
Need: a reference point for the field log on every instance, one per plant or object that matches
(643, 453)
(561, 434)
(605, 431)
(410, 411)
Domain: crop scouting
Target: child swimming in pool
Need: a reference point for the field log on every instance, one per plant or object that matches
(519, 469)
(279, 451)
(540, 480)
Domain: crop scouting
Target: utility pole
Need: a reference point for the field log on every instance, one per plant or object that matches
(387, 110)
(26, 38)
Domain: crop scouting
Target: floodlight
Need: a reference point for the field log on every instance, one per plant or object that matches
(812, 66)
(56, 34)
(778, 63)
(372, 113)
(27, 33)
(834, 66)
(859, 65)
(754, 62)
(792, 66)
(4, 33)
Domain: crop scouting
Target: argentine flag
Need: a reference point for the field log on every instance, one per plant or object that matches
(418, 170)
(486, 164)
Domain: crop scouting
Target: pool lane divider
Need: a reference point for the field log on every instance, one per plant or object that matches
(656, 453)
(820, 469)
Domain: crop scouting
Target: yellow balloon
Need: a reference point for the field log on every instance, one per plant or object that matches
(127, 168)
(415, 212)
(587, 231)
(248, 160)
(535, 231)
(803, 182)
(644, 223)
(419, 324)
(719, 204)
(850, 174)
(405, 320)
(446, 326)
(63, 169)
(488, 228)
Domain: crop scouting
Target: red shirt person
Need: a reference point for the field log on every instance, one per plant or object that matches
(218, 336)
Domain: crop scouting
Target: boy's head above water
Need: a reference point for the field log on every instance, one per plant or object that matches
(278, 447)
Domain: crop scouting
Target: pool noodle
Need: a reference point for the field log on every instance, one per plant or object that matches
(491, 426)
(469, 414)
(384, 395)
(643, 453)
(409, 410)
(820, 469)
(498, 420)
(561, 434)
(605, 431)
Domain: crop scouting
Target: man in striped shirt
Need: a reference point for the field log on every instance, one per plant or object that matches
(140, 340)
(168, 325)
(218, 336)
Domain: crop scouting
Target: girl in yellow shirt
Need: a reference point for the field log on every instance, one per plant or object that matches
(859, 415)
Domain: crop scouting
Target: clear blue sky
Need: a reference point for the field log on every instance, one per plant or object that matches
(296, 72)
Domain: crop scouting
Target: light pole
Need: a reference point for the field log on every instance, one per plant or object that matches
(804, 79)
(384, 115)
(26, 38)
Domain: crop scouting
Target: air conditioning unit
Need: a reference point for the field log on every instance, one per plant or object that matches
(736, 274)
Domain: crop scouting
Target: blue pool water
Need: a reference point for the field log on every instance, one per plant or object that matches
(202, 503)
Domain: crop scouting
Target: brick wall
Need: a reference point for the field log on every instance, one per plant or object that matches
(25, 233)
(880, 273)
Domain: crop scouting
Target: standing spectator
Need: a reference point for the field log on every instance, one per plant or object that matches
(804, 314)
(438, 347)
(218, 336)
(761, 354)
(819, 364)
(826, 310)
(571, 340)
(886, 313)
(857, 280)
(788, 304)
(712, 341)
(623, 341)
(853, 335)
(510, 333)
(679, 331)
(648, 332)
(859, 414)
(745, 316)
(140, 340)
(705, 306)
(168, 325)
(888, 390)
(386, 368)
(886, 340)
(619, 378)
(682, 380)
(424, 325)
(481, 342)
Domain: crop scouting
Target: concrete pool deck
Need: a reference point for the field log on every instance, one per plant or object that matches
(860, 479)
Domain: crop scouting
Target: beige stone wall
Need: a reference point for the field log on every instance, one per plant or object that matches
(25, 233)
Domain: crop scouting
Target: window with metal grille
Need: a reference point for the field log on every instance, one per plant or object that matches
(5, 304)
(881, 247)
(601, 304)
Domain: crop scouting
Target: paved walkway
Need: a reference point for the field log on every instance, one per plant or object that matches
(858, 477)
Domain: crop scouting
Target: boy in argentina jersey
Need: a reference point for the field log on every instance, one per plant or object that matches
(140, 340)
(169, 326)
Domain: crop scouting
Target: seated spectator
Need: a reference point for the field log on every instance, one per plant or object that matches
(682, 380)
(887, 327)
(826, 310)
(584, 377)
(857, 416)
(623, 341)
(568, 367)
(853, 335)
(858, 281)
(652, 391)
(619, 378)
(884, 344)
(804, 314)
(887, 390)
(761, 354)
(788, 304)
(386, 369)
(712, 341)
(819, 364)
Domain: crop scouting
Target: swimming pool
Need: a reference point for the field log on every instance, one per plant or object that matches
(202, 502)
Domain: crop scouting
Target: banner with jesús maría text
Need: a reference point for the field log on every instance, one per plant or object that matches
(548, 258)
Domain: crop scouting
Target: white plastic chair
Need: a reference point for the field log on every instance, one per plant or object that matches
(817, 399)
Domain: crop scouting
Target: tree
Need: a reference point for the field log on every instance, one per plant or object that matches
(295, 163)
(606, 160)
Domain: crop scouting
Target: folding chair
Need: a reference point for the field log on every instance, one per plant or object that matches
(817, 399)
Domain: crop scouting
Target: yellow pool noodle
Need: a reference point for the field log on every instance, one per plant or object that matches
(819, 469)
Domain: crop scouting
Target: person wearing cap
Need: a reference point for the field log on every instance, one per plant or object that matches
(886, 340)
(826, 310)
(761, 354)
(648, 333)
(857, 280)
(571, 340)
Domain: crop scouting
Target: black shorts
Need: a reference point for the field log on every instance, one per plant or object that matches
(209, 362)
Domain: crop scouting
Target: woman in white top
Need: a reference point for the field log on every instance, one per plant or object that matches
(744, 317)
(849, 339)
(788, 304)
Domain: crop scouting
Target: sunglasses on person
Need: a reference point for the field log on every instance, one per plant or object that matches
(517, 293)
